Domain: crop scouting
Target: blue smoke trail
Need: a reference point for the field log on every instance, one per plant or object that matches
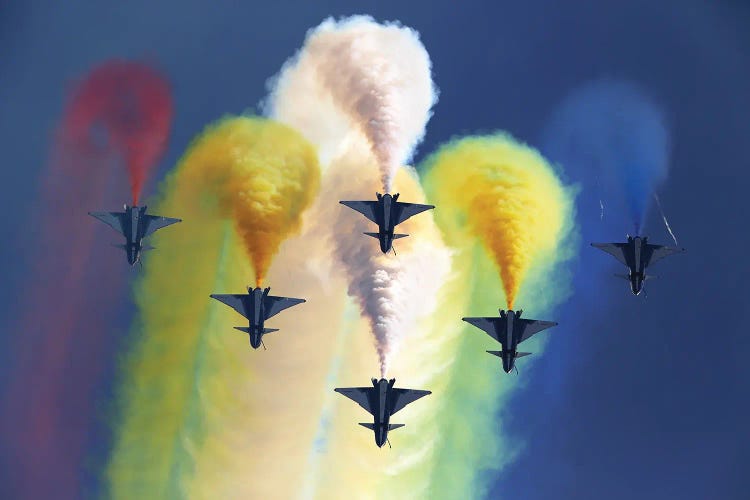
(609, 140)
(617, 133)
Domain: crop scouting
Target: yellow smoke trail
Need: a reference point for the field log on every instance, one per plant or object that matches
(512, 199)
(259, 408)
(264, 175)
(189, 372)
(156, 423)
(470, 440)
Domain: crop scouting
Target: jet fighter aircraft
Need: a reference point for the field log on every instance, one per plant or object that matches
(387, 212)
(382, 400)
(135, 224)
(510, 330)
(637, 254)
(257, 306)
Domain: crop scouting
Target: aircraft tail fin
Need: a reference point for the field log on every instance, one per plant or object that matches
(499, 354)
(645, 276)
(247, 330)
(395, 236)
(390, 426)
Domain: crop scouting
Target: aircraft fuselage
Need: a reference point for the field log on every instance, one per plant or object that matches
(133, 231)
(636, 263)
(381, 407)
(256, 317)
(386, 227)
(509, 341)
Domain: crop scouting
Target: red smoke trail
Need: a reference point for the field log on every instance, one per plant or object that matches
(133, 102)
(69, 298)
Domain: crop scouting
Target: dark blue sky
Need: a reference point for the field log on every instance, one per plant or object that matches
(635, 396)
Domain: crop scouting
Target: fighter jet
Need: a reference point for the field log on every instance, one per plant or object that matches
(637, 254)
(387, 213)
(510, 330)
(382, 400)
(135, 224)
(257, 306)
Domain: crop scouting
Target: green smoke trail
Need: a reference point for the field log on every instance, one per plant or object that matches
(514, 194)
(157, 423)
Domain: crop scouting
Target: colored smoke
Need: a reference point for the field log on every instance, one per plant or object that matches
(63, 335)
(509, 197)
(264, 174)
(393, 291)
(132, 103)
(195, 401)
(620, 132)
(500, 205)
(378, 75)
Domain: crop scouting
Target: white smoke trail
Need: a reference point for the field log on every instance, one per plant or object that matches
(393, 292)
(664, 217)
(377, 78)
(378, 75)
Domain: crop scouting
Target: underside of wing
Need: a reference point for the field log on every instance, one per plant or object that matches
(406, 210)
(274, 305)
(154, 222)
(532, 326)
(366, 208)
(658, 252)
(234, 301)
(112, 219)
(359, 395)
(403, 397)
(616, 250)
(489, 325)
